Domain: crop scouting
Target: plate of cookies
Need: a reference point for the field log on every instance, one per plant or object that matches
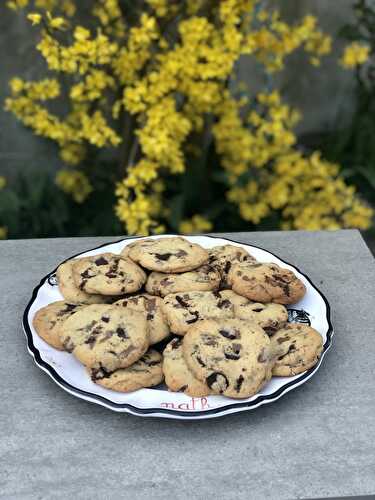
(178, 327)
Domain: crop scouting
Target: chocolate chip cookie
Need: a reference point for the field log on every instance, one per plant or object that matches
(205, 278)
(177, 375)
(108, 274)
(297, 347)
(224, 256)
(70, 291)
(108, 337)
(184, 309)
(151, 307)
(271, 317)
(146, 372)
(167, 255)
(266, 282)
(48, 321)
(233, 357)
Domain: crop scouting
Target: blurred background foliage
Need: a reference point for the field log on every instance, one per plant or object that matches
(155, 129)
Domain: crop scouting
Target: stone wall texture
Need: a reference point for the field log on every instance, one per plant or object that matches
(324, 94)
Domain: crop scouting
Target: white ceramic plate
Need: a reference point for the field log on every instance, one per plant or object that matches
(69, 374)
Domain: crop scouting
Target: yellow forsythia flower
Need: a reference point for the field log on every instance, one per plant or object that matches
(3, 182)
(197, 224)
(354, 54)
(34, 18)
(3, 233)
(74, 183)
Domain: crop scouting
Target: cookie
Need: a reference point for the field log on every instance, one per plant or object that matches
(151, 307)
(271, 317)
(146, 372)
(233, 357)
(108, 274)
(266, 282)
(205, 278)
(298, 348)
(70, 291)
(48, 321)
(184, 309)
(178, 377)
(167, 255)
(108, 337)
(224, 256)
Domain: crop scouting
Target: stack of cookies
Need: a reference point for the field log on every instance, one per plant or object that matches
(207, 321)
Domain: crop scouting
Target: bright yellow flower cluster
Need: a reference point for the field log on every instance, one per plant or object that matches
(305, 189)
(275, 39)
(74, 183)
(354, 55)
(159, 81)
(197, 224)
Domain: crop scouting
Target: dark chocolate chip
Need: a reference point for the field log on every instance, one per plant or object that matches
(86, 274)
(231, 335)
(149, 317)
(219, 380)
(181, 301)
(182, 388)
(227, 267)
(101, 261)
(163, 256)
(239, 383)
(105, 319)
(200, 361)
(121, 333)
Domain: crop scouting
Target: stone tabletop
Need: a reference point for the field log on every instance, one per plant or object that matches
(316, 441)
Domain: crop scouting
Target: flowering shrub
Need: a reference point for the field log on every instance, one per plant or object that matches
(155, 89)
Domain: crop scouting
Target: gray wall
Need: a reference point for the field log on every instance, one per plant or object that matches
(321, 93)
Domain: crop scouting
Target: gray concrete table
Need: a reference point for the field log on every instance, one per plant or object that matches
(316, 441)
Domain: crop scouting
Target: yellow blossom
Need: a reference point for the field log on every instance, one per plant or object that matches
(35, 18)
(74, 183)
(354, 54)
(3, 233)
(3, 182)
(197, 224)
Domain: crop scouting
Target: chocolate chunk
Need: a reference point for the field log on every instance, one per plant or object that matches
(86, 274)
(121, 333)
(68, 344)
(111, 274)
(91, 341)
(224, 304)
(258, 310)
(99, 373)
(101, 261)
(193, 320)
(182, 388)
(231, 335)
(163, 256)
(233, 352)
(239, 383)
(149, 317)
(181, 301)
(291, 349)
(105, 319)
(200, 361)
(245, 278)
(217, 381)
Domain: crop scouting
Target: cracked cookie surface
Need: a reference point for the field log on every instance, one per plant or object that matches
(151, 307)
(108, 274)
(224, 256)
(205, 278)
(146, 372)
(233, 357)
(266, 282)
(108, 337)
(178, 377)
(297, 347)
(168, 255)
(184, 309)
(49, 319)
